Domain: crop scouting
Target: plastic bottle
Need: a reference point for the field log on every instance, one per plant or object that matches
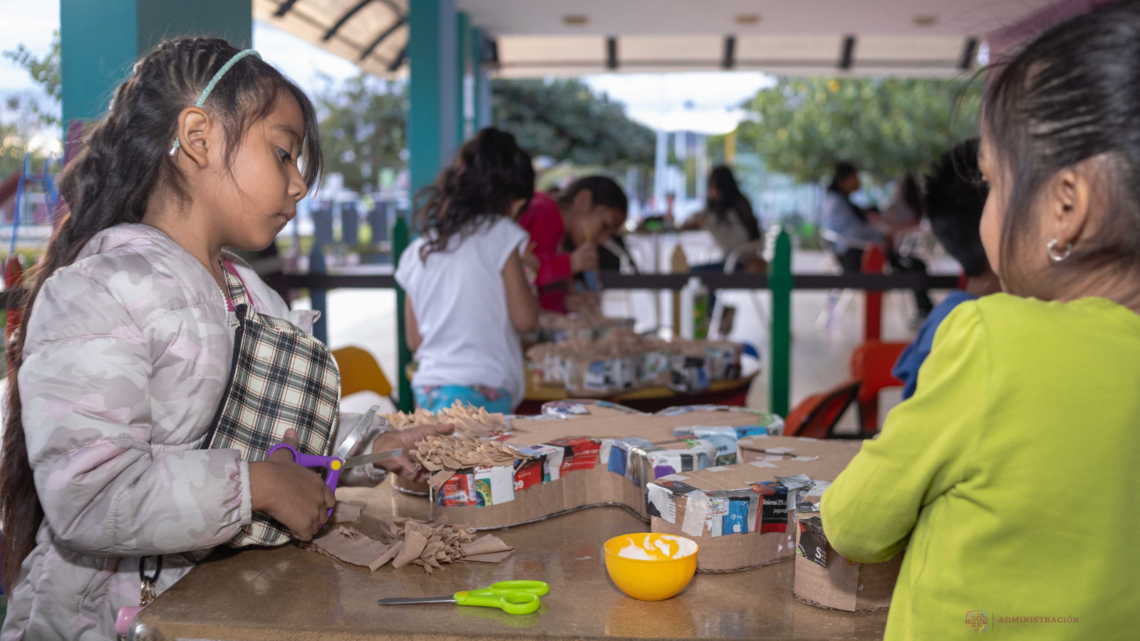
(695, 309)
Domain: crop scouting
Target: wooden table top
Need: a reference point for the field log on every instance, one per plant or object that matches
(293, 594)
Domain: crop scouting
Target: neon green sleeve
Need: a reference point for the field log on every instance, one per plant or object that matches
(923, 451)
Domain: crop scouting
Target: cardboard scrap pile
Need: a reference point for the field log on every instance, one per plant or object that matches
(443, 456)
(408, 542)
(468, 420)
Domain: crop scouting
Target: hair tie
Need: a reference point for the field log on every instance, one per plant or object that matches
(214, 82)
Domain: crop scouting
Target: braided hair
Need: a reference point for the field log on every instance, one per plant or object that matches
(123, 160)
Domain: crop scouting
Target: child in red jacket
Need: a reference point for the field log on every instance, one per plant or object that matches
(588, 211)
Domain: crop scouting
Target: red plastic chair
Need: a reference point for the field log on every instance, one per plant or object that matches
(816, 416)
(871, 365)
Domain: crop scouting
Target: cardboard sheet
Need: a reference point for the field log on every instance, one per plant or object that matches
(408, 542)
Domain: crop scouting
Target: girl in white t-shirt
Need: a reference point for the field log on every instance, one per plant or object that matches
(468, 298)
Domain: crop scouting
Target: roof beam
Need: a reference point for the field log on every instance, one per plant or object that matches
(491, 51)
(729, 60)
(611, 53)
(847, 58)
(969, 54)
(345, 18)
(382, 37)
(398, 60)
(284, 8)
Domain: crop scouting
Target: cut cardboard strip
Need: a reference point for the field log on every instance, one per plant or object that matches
(346, 512)
(494, 557)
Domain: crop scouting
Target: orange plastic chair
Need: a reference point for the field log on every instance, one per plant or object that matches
(816, 416)
(871, 365)
(360, 372)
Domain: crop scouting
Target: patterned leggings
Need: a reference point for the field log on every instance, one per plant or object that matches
(438, 397)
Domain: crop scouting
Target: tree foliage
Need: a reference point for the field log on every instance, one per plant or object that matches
(44, 71)
(888, 126)
(363, 128)
(566, 122)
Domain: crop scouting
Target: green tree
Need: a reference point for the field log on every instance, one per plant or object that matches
(363, 128)
(566, 122)
(45, 72)
(24, 116)
(888, 126)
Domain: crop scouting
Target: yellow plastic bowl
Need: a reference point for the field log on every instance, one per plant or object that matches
(670, 565)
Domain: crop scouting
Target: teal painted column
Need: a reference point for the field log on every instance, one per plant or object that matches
(780, 282)
(477, 79)
(461, 69)
(431, 116)
(403, 354)
(483, 107)
(101, 41)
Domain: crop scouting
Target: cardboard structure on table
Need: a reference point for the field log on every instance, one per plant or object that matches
(826, 579)
(728, 552)
(596, 485)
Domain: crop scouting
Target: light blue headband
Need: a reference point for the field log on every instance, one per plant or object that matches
(214, 82)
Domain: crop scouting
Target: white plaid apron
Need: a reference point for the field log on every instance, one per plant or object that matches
(281, 377)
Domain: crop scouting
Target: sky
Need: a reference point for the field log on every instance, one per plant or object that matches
(703, 102)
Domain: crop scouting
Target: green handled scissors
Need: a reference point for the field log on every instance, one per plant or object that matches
(512, 597)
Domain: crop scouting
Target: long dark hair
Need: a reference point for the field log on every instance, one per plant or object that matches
(489, 173)
(124, 158)
(732, 200)
(843, 170)
(954, 201)
(1071, 95)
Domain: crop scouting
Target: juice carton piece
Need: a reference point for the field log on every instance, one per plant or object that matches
(577, 454)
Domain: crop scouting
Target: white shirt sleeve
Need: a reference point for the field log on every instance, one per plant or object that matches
(409, 266)
(505, 237)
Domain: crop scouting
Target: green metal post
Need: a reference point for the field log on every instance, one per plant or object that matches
(404, 355)
(780, 282)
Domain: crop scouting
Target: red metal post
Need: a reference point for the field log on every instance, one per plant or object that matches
(873, 260)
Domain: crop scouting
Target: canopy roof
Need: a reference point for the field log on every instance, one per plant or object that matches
(536, 38)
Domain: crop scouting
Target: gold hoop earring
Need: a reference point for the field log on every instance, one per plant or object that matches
(1051, 249)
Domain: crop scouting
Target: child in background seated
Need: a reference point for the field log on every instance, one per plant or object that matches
(468, 299)
(587, 212)
(1011, 476)
(955, 197)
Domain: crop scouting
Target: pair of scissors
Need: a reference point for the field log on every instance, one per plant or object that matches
(337, 462)
(512, 597)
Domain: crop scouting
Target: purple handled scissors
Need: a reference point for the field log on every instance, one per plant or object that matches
(334, 464)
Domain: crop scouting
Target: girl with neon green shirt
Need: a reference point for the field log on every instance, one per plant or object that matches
(1012, 476)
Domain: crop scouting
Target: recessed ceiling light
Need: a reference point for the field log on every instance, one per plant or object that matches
(925, 20)
(748, 18)
(575, 20)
